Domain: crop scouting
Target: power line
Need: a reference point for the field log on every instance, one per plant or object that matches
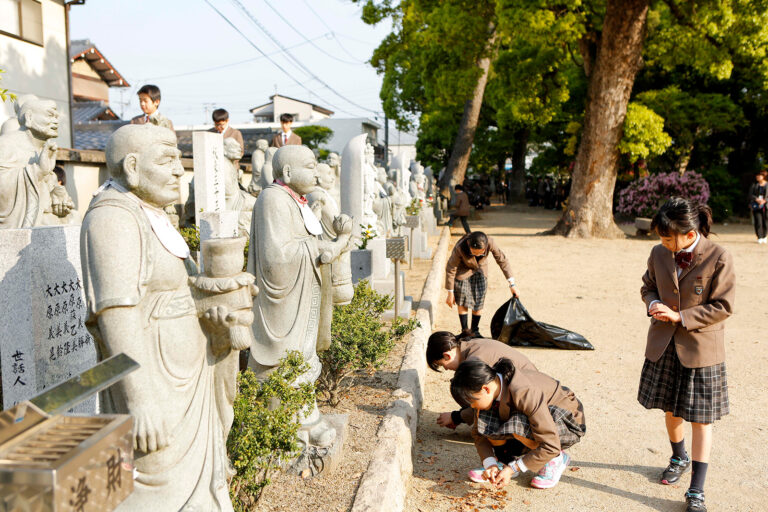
(355, 63)
(297, 61)
(333, 34)
(270, 59)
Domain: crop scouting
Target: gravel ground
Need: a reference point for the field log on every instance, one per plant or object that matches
(592, 287)
(366, 403)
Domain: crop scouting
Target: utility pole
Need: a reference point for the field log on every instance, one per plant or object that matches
(386, 143)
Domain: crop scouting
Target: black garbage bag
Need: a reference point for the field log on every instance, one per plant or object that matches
(513, 325)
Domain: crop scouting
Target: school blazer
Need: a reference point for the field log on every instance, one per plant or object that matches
(293, 140)
(703, 294)
(461, 265)
(489, 352)
(231, 133)
(157, 119)
(531, 393)
(462, 204)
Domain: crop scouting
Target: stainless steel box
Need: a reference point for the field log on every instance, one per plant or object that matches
(64, 463)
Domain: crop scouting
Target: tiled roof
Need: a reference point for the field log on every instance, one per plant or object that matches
(95, 135)
(88, 111)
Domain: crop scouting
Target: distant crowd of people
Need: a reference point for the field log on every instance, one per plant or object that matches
(547, 191)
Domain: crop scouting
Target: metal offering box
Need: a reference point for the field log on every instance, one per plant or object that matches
(397, 248)
(55, 463)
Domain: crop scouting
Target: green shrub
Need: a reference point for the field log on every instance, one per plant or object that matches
(360, 340)
(265, 427)
(725, 192)
(191, 235)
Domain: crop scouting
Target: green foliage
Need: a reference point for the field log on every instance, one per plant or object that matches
(360, 340)
(313, 135)
(644, 133)
(265, 427)
(415, 207)
(368, 233)
(724, 191)
(4, 94)
(191, 235)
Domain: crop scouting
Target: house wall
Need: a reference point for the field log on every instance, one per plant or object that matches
(87, 84)
(39, 70)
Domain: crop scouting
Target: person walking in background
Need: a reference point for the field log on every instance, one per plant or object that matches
(286, 137)
(149, 102)
(461, 208)
(757, 199)
(688, 292)
(466, 281)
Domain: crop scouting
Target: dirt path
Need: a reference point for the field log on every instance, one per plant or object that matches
(592, 287)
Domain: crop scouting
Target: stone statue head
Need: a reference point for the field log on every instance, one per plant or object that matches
(334, 160)
(326, 176)
(296, 167)
(144, 159)
(416, 169)
(40, 117)
(381, 175)
(262, 144)
(12, 123)
(369, 153)
(232, 149)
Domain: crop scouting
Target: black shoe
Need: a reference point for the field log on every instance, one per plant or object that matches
(465, 335)
(694, 501)
(675, 470)
(476, 334)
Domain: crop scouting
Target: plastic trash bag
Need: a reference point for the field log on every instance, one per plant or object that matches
(513, 325)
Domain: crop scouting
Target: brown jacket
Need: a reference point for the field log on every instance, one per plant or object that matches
(531, 393)
(293, 140)
(703, 294)
(462, 204)
(231, 133)
(489, 352)
(157, 119)
(461, 264)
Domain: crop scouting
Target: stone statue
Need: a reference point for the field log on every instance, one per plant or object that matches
(418, 184)
(382, 204)
(398, 201)
(370, 190)
(266, 171)
(236, 199)
(334, 161)
(258, 158)
(145, 299)
(287, 257)
(12, 123)
(30, 194)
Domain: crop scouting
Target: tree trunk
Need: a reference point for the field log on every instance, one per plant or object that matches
(517, 177)
(617, 61)
(462, 146)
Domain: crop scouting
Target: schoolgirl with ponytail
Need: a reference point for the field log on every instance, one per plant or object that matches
(519, 408)
(688, 292)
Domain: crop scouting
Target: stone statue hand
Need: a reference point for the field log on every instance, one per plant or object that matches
(47, 158)
(150, 431)
(253, 187)
(61, 204)
(342, 224)
(221, 318)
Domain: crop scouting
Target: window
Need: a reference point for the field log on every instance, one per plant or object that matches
(22, 19)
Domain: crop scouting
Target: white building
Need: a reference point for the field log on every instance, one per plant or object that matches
(279, 105)
(35, 57)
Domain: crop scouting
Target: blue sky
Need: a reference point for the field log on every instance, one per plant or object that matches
(175, 43)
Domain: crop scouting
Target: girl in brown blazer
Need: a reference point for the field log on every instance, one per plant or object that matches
(527, 406)
(688, 292)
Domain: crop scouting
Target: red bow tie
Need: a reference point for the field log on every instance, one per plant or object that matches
(683, 259)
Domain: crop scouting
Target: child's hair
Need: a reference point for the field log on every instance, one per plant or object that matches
(473, 374)
(477, 240)
(439, 342)
(61, 176)
(220, 115)
(458, 187)
(762, 173)
(150, 90)
(679, 215)
(286, 118)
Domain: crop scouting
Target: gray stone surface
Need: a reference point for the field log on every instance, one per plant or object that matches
(258, 159)
(316, 461)
(355, 202)
(43, 333)
(361, 264)
(208, 154)
(30, 194)
(185, 333)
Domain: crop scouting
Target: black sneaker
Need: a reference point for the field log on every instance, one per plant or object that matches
(465, 335)
(675, 470)
(694, 501)
(476, 334)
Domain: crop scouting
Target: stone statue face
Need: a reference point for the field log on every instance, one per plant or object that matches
(262, 144)
(298, 168)
(326, 177)
(232, 149)
(381, 175)
(333, 160)
(153, 172)
(41, 118)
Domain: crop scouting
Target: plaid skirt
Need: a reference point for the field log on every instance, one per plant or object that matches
(698, 395)
(569, 431)
(470, 293)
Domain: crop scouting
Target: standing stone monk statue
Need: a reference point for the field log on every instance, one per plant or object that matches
(29, 192)
(137, 275)
(286, 256)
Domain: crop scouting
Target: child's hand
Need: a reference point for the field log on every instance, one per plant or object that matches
(450, 300)
(490, 473)
(505, 475)
(663, 313)
(515, 292)
(445, 420)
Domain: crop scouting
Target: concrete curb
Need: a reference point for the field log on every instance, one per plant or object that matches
(384, 485)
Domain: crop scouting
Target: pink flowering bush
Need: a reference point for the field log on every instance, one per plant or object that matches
(642, 198)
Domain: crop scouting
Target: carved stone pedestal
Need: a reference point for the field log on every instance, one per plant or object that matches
(314, 460)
